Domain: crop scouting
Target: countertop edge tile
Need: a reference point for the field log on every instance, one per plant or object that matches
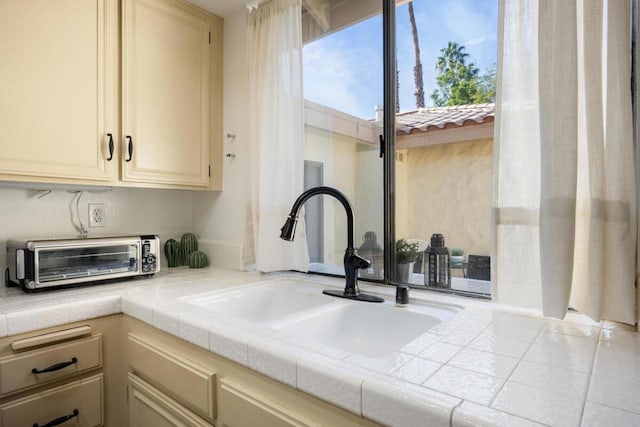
(138, 308)
(270, 358)
(3, 325)
(402, 404)
(229, 341)
(37, 318)
(101, 305)
(165, 318)
(195, 329)
(332, 380)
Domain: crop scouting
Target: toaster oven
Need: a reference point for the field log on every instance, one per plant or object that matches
(44, 264)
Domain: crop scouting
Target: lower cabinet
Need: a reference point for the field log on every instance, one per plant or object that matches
(148, 406)
(71, 375)
(243, 407)
(116, 371)
(174, 373)
(174, 383)
(77, 403)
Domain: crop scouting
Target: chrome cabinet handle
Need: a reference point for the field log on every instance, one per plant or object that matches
(111, 147)
(129, 148)
(59, 420)
(55, 367)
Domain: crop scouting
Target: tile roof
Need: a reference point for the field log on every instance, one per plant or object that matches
(434, 118)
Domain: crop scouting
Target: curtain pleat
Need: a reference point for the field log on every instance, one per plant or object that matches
(577, 207)
(275, 121)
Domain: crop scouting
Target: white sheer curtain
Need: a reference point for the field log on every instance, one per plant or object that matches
(275, 120)
(564, 180)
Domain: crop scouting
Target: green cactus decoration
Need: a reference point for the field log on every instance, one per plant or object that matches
(188, 244)
(172, 252)
(198, 259)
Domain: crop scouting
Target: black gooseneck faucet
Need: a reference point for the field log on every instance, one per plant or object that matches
(352, 261)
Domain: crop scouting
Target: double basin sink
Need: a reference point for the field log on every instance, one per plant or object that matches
(299, 308)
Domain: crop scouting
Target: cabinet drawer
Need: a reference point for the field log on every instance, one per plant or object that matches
(83, 397)
(17, 370)
(150, 407)
(191, 384)
(240, 406)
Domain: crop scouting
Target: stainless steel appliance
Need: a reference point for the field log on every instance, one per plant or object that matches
(44, 264)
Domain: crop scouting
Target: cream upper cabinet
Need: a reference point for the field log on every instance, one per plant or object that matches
(110, 92)
(58, 64)
(167, 96)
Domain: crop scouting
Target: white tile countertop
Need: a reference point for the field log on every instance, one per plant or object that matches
(488, 365)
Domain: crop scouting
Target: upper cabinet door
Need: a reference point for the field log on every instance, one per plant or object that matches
(166, 93)
(57, 90)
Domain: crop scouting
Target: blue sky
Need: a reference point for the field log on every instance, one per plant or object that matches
(344, 70)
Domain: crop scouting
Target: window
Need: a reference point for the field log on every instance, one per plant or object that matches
(443, 139)
(343, 78)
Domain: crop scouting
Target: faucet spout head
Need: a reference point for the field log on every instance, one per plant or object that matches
(288, 230)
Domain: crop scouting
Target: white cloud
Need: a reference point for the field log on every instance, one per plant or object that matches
(343, 74)
(475, 41)
(328, 75)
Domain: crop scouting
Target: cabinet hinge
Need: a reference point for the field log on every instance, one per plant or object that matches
(209, 171)
(209, 37)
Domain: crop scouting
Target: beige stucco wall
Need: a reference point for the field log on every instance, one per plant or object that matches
(447, 189)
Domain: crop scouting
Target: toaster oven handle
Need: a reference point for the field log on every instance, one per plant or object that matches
(55, 367)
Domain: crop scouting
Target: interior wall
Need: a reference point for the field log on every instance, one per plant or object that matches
(220, 218)
(24, 215)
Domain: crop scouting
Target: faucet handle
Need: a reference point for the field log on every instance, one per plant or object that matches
(359, 262)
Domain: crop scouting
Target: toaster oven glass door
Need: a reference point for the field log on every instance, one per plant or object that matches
(66, 264)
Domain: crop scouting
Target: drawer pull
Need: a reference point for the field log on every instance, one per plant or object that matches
(55, 367)
(59, 420)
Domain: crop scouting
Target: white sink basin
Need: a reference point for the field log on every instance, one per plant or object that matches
(368, 329)
(263, 302)
(299, 309)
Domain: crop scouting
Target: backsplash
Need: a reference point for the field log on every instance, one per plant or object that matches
(168, 213)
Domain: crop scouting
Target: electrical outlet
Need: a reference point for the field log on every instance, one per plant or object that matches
(96, 214)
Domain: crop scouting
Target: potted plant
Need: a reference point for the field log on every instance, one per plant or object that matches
(406, 254)
(457, 258)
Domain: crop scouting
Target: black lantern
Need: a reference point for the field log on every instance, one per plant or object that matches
(372, 251)
(437, 264)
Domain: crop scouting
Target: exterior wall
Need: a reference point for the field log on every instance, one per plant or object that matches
(448, 191)
(341, 159)
(355, 169)
(402, 197)
(443, 188)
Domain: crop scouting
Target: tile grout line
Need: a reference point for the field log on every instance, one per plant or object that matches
(517, 364)
(593, 364)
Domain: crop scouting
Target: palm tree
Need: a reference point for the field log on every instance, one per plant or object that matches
(457, 81)
(417, 69)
